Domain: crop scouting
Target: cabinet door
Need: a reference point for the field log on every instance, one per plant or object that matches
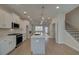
(7, 45)
(1, 19)
(4, 47)
(12, 43)
(7, 20)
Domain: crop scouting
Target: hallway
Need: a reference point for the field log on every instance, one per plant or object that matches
(52, 49)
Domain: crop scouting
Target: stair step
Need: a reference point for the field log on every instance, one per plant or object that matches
(72, 31)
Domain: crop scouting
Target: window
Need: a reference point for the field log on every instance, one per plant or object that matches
(46, 29)
(38, 28)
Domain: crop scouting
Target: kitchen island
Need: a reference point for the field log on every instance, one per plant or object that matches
(39, 43)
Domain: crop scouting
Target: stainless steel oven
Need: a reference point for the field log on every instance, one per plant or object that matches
(19, 38)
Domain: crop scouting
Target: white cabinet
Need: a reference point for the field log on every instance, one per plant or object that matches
(4, 48)
(16, 18)
(7, 44)
(38, 44)
(1, 19)
(5, 19)
(12, 43)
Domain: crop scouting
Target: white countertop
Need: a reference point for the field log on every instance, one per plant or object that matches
(40, 36)
(5, 37)
(43, 35)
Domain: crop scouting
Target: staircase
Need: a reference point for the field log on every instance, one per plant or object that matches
(73, 32)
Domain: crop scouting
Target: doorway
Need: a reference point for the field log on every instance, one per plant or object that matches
(46, 30)
(27, 32)
(54, 31)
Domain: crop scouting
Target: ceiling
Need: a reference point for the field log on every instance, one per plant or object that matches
(34, 11)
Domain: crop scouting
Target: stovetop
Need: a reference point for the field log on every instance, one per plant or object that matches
(15, 34)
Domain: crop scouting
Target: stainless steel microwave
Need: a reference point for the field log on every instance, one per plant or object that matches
(15, 25)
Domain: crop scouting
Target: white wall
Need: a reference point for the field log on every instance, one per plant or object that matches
(59, 26)
(73, 18)
(51, 28)
(15, 18)
(62, 36)
(23, 25)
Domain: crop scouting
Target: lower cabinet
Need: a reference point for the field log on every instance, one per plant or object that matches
(7, 45)
(12, 43)
(4, 47)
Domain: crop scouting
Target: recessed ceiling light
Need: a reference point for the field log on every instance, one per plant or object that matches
(43, 18)
(25, 12)
(48, 17)
(28, 16)
(57, 7)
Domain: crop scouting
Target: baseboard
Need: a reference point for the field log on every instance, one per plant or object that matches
(72, 47)
(60, 42)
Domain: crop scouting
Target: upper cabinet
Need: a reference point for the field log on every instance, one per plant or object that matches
(16, 18)
(5, 19)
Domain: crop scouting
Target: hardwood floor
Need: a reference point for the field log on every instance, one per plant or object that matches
(52, 49)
